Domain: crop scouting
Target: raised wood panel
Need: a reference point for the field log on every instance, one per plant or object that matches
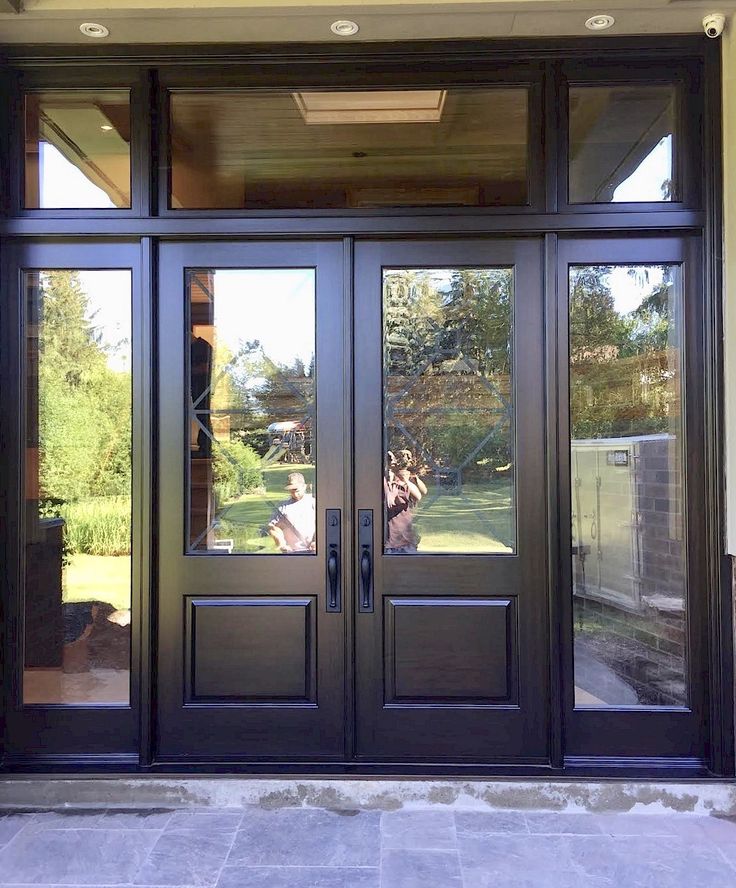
(453, 650)
(254, 649)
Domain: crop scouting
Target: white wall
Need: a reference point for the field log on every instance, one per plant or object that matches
(729, 269)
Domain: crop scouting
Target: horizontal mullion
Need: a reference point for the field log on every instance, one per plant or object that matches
(324, 225)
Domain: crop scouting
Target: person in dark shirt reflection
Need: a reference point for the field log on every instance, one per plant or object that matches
(402, 490)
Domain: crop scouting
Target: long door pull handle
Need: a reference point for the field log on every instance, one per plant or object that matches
(334, 591)
(332, 569)
(365, 576)
(365, 542)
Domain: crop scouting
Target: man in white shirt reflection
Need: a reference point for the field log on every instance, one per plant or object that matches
(293, 523)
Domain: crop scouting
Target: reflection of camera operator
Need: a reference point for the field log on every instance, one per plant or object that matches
(402, 489)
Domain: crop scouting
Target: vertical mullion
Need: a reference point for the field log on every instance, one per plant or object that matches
(552, 437)
(144, 490)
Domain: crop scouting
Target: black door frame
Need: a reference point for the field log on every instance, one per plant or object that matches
(554, 62)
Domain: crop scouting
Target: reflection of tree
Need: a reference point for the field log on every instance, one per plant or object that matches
(250, 391)
(447, 360)
(84, 405)
(624, 366)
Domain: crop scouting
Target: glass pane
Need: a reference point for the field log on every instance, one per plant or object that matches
(622, 144)
(77, 149)
(448, 410)
(78, 483)
(629, 562)
(380, 148)
(251, 411)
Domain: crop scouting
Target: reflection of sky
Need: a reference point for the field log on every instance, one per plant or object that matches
(109, 311)
(273, 305)
(630, 290)
(645, 183)
(64, 185)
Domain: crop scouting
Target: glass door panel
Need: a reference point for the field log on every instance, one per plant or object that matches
(252, 429)
(448, 410)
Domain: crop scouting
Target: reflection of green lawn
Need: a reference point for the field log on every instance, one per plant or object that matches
(98, 578)
(480, 519)
(243, 519)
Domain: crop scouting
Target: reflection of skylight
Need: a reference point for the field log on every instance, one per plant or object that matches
(64, 185)
(650, 180)
(376, 106)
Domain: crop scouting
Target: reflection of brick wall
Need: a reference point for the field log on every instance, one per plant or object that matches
(43, 617)
(659, 507)
(644, 642)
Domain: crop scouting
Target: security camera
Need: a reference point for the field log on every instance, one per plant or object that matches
(714, 24)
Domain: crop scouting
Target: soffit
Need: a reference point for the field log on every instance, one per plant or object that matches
(249, 21)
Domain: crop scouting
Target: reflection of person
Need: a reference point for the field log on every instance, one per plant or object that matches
(402, 490)
(292, 525)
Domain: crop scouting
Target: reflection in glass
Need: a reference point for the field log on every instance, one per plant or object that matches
(622, 141)
(448, 412)
(78, 484)
(77, 149)
(251, 410)
(629, 565)
(377, 148)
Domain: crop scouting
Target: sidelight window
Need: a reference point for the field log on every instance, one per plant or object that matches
(78, 487)
(628, 527)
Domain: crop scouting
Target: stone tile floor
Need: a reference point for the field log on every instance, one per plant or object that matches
(314, 848)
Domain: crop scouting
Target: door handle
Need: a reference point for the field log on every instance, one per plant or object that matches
(365, 544)
(334, 591)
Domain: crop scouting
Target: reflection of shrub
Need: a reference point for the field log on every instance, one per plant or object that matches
(97, 526)
(258, 439)
(237, 470)
(451, 440)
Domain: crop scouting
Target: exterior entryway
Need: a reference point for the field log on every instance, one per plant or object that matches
(352, 572)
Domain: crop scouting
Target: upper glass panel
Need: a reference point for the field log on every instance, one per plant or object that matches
(77, 592)
(623, 141)
(77, 149)
(251, 411)
(448, 411)
(389, 148)
(629, 556)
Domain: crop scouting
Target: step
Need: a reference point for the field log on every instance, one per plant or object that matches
(703, 797)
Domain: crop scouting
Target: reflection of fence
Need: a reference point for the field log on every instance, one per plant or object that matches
(628, 559)
(627, 519)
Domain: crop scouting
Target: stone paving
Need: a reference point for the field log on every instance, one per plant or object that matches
(316, 848)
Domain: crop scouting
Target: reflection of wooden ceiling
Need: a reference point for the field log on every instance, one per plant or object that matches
(90, 130)
(612, 130)
(245, 149)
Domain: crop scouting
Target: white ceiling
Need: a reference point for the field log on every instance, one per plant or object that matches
(246, 21)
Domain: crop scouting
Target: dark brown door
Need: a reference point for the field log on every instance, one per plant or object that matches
(445, 572)
(451, 652)
(251, 650)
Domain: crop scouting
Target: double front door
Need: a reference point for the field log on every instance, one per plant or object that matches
(351, 509)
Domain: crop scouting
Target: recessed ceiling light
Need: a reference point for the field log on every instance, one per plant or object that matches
(344, 28)
(106, 128)
(92, 29)
(600, 22)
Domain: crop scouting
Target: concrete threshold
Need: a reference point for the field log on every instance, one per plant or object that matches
(641, 797)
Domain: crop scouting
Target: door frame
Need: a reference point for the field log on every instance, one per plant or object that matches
(62, 67)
